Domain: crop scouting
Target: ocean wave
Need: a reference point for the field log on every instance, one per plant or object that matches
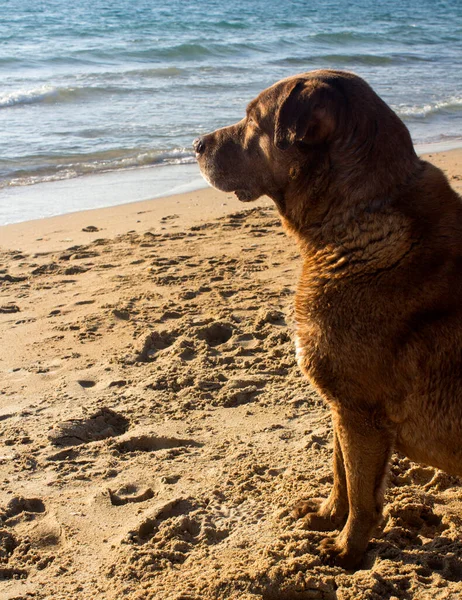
(53, 168)
(336, 59)
(452, 105)
(194, 51)
(232, 24)
(352, 59)
(44, 93)
(342, 37)
(49, 94)
(181, 51)
(357, 59)
(98, 79)
(155, 73)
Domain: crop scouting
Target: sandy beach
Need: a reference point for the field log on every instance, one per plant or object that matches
(156, 430)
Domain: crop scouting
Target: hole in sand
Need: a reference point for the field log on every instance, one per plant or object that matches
(8, 543)
(152, 343)
(6, 573)
(86, 383)
(128, 493)
(150, 443)
(175, 508)
(19, 505)
(103, 424)
(216, 334)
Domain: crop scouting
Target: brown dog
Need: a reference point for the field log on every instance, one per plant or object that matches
(379, 303)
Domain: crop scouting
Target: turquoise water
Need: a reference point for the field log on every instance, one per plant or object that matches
(100, 85)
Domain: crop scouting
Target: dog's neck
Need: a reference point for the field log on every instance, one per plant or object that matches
(344, 212)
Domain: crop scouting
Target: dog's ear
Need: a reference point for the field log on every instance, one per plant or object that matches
(305, 114)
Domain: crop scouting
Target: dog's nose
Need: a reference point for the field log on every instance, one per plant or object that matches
(199, 145)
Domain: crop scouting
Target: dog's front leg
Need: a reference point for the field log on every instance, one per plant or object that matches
(366, 448)
(331, 513)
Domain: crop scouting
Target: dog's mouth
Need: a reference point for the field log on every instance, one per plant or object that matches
(244, 195)
(222, 181)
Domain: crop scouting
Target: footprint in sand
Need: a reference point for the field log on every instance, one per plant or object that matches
(123, 315)
(150, 344)
(75, 270)
(19, 505)
(216, 334)
(7, 573)
(129, 493)
(173, 508)
(46, 533)
(8, 544)
(9, 308)
(12, 278)
(408, 518)
(185, 521)
(153, 443)
(46, 269)
(86, 383)
(238, 391)
(103, 424)
(169, 218)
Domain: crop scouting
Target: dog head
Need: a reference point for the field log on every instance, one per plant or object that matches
(322, 124)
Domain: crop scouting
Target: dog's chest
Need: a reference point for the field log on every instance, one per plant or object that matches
(338, 348)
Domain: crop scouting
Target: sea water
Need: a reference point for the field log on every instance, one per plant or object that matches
(98, 86)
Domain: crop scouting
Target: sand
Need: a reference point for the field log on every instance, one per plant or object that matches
(156, 431)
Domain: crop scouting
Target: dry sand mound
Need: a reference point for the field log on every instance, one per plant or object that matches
(156, 432)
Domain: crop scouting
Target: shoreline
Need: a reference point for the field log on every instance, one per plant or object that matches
(101, 190)
(183, 210)
(111, 189)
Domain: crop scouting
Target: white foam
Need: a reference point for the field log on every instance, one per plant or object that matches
(24, 203)
(40, 94)
(429, 109)
(442, 146)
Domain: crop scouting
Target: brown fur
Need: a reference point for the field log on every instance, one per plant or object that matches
(379, 302)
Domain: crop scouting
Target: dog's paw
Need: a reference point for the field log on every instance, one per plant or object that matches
(316, 517)
(333, 552)
(305, 507)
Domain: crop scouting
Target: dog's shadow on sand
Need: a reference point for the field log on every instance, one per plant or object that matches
(420, 545)
(419, 548)
(415, 566)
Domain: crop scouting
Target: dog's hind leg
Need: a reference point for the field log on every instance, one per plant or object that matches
(331, 513)
(366, 449)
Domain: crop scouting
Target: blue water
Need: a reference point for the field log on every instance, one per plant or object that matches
(99, 85)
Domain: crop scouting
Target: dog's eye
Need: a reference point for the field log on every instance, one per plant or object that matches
(251, 121)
